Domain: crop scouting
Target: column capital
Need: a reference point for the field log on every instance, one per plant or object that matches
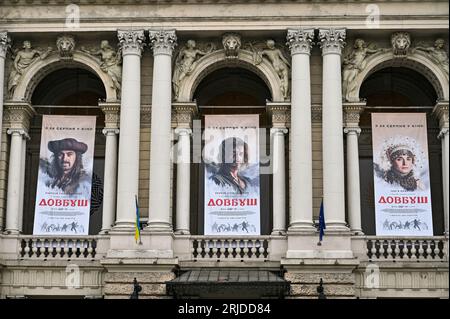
(184, 113)
(110, 131)
(352, 130)
(162, 41)
(183, 131)
(19, 131)
(112, 114)
(18, 115)
(352, 112)
(332, 40)
(280, 113)
(278, 131)
(131, 41)
(299, 41)
(5, 43)
(440, 111)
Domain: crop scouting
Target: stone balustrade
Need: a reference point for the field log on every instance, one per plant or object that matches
(406, 249)
(33, 247)
(230, 248)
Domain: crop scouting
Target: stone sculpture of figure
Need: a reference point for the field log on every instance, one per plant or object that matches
(353, 65)
(110, 62)
(185, 64)
(22, 60)
(279, 63)
(437, 53)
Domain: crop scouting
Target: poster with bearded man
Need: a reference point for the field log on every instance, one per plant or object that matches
(65, 174)
(401, 174)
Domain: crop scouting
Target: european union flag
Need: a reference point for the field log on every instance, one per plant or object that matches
(322, 225)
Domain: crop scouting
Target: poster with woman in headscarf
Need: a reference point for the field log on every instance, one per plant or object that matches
(401, 174)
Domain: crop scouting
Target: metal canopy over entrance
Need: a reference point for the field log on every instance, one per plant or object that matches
(228, 283)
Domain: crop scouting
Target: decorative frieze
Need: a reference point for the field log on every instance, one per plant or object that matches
(183, 114)
(17, 115)
(352, 112)
(146, 115)
(112, 114)
(280, 114)
(162, 41)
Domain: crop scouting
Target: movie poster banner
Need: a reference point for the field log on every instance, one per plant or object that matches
(231, 156)
(401, 174)
(65, 174)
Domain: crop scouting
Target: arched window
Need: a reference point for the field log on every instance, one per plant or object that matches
(398, 90)
(231, 90)
(66, 91)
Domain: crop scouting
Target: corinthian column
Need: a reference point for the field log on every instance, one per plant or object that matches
(183, 115)
(131, 43)
(299, 42)
(19, 115)
(441, 111)
(111, 130)
(352, 112)
(5, 43)
(162, 43)
(332, 43)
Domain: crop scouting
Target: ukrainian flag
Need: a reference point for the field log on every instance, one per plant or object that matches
(137, 231)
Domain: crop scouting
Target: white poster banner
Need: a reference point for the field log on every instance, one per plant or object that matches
(65, 174)
(401, 174)
(231, 155)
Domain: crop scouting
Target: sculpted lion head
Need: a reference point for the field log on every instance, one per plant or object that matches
(231, 43)
(65, 45)
(400, 41)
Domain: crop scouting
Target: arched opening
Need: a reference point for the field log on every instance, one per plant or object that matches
(398, 90)
(232, 91)
(67, 91)
(69, 87)
(232, 87)
(398, 86)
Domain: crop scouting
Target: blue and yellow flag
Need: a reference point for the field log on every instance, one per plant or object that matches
(137, 231)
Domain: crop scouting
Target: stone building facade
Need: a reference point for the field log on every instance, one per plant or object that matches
(151, 70)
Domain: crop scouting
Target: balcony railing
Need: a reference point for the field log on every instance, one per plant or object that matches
(57, 247)
(230, 248)
(406, 249)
